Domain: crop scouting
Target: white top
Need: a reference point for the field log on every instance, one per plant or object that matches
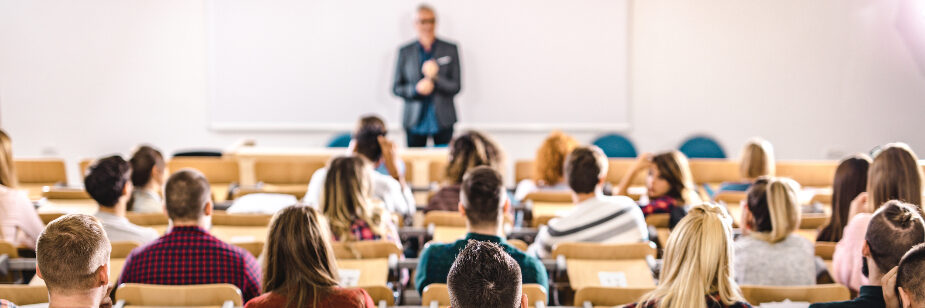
(525, 187)
(385, 188)
(790, 262)
(144, 201)
(602, 219)
(119, 229)
(19, 222)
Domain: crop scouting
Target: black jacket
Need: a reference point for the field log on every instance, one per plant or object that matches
(446, 86)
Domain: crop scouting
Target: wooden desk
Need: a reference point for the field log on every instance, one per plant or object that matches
(584, 273)
(232, 234)
(247, 157)
(373, 272)
(449, 234)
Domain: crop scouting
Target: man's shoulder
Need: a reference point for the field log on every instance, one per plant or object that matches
(445, 43)
(439, 251)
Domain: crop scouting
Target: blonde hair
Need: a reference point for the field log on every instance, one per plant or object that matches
(7, 166)
(894, 174)
(757, 159)
(774, 208)
(674, 168)
(697, 262)
(550, 158)
(346, 197)
(71, 251)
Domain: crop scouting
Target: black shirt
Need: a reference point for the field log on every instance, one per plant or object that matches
(868, 297)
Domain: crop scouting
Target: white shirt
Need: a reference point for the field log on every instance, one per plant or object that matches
(119, 229)
(602, 219)
(144, 201)
(385, 188)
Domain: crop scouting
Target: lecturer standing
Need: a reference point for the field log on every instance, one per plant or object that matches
(427, 78)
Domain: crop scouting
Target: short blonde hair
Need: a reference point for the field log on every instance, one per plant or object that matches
(757, 159)
(697, 262)
(774, 207)
(71, 251)
(550, 158)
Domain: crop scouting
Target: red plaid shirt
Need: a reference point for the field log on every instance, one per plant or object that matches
(662, 204)
(190, 255)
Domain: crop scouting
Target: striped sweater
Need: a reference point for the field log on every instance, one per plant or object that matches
(602, 219)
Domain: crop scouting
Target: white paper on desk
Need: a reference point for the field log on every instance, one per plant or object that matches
(261, 203)
(612, 279)
(349, 277)
(784, 304)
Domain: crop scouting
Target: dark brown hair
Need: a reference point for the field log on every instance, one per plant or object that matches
(894, 174)
(584, 168)
(909, 276)
(367, 142)
(143, 161)
(481, 194)
(106, 180)
(70, 252)
(469, 150)
(187, 191)
(894, 229)
(298, 260)
(484, 275)
(371, 120)
(850, 181)
(673, 168)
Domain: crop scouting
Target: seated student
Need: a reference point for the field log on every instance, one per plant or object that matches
(596, 217)
(107, 182)
(894, 174)
(894, 229)
(769, 253)
(19, 222)
(73, 258)
(696, 271)
(669, 184)
(483, 202)
(548, 166)
(299, 269)
(188, 254)
(346, 203)
(148, 175)
(757, 161)
(396, 197)
(910, 282)
(484, 276)
(850, 181)
(469, 150)
(393, 167)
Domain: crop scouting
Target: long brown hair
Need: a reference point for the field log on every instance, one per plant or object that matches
(7, 167)
(472, 149)
(674, 168)
(894, 174)
(298, 261)
(850, 181)
(550, 158)
(346, 196)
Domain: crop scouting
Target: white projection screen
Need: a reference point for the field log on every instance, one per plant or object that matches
(318, 65)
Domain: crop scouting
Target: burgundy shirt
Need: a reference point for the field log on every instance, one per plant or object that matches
(346, 298)
(190, 255)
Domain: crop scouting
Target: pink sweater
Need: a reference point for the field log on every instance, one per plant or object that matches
(847, 259)
(19, 222)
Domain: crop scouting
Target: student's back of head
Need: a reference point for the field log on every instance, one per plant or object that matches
(188, 196)
(894, 229)
(850, 181)
(7, 169)
(585, 169)
(346, 194)
(72, 256)
(367, 142)
(757, 159)
(147, 163)
(299, 262)
(773, 208)
(482, 197)
(909, 278)
(550, 158)
(472, 149)
(371, 120)
(674, 170)
(697, 262)
(483, 275)
(107, 180)
(894, 174)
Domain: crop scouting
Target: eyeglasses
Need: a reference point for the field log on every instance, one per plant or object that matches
(427, 21)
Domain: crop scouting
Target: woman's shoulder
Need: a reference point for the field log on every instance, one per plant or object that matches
(348, 297)
(269, 299)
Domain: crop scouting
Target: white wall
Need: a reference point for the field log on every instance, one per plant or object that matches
(88, 78)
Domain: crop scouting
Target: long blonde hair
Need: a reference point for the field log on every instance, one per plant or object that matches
(346, 197)
(757, 159)
(550, 158)
(697, 262)
(7, 167)
(774, 208)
